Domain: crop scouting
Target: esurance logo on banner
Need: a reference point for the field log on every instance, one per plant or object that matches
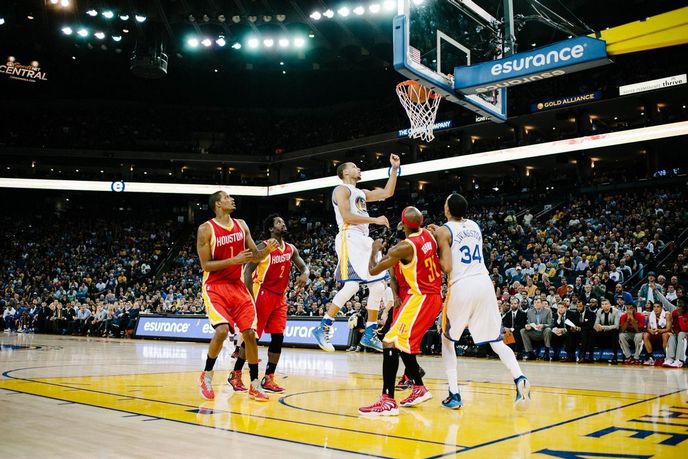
(561, 58)
(651, 85)
(566, 101)
(297, 332)
(435, 127)
(16, 71)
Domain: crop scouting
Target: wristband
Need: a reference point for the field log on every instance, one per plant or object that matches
(389, 172)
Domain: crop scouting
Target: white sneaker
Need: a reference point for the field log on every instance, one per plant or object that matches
(649, 362)
(676, 364)
(668, 362)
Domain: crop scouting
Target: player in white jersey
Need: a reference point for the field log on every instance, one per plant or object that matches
(354, 246)
(471, 301)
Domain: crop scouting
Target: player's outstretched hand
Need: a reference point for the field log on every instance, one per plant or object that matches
(378, 245)
(432, 228)
(394, 160)
(300, 282)
(382, 220)
(242, 257)
(271, 244)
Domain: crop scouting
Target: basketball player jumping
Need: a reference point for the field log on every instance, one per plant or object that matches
(417, 258)
(268, 281)
(471, 300)
(224, 245)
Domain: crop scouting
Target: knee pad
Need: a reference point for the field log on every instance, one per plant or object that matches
(345, 293)
(376, 291)
(276, 340)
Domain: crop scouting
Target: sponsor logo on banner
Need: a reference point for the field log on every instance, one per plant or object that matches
(560, 58)
(565, 101)
(17, 71)
(297, 332)
(435, 127)
(651, 85)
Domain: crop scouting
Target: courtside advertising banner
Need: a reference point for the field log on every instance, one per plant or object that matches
(566, 101)
(30, 73)
(297, 333)
(562, 58)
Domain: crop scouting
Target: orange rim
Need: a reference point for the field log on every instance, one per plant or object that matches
(431, 94)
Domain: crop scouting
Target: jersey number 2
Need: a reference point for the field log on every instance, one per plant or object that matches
(467, 257)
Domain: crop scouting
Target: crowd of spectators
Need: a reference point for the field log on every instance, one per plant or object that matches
(585, 254)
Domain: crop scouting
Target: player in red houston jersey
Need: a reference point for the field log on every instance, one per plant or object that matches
(224, 245)
(268, 281)
(420, 268)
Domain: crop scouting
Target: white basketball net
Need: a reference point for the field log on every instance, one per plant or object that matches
(422, 112)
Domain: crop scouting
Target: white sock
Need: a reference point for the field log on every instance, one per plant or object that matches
(449, 360)
(506, 355)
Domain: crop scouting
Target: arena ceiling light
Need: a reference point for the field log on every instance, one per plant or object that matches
(92, 13)
(2, 21)
(82, 33)
(67, 30)
(206, 42)
(99, 35)
(221, 41)
(140, 18)
(283, 42)
(192, 42)
(343, 11)
(359, 10)
(329, 14)
(107, 14)
(236, 45)
(374, 8)
(268, 42)
(124, 17)
(299, 42)
(117, 38)
(315, 15)
(253, 43)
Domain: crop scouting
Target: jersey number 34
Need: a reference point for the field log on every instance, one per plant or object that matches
(468, 255)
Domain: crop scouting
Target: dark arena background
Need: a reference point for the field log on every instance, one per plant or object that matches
(120, 118)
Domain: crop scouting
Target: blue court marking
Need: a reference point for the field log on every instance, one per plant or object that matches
(281, 400)
(17, 347)
(659, 422)
(7, 374)
(540, 429)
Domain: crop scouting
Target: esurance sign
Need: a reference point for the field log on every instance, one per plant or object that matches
(651, 85)
(562, 58)
(297, 332)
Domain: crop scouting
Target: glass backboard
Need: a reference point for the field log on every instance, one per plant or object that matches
(433, 37)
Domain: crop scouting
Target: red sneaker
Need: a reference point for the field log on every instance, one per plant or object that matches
(268, 384)
(235, 382)
(256, 392)
(418, 395)
(206, 385)
(386, 406)
(404, 383)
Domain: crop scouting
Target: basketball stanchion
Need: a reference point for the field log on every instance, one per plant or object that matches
(421, 106)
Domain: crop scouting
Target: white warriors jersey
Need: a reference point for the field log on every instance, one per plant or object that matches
(357, 204)
(466, 249)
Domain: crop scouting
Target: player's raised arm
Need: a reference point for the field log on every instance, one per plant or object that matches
(443, 237)
(257, 255)
(303, 269)
(400, 252)
(205, 255)
(341, 195)
(379, 194)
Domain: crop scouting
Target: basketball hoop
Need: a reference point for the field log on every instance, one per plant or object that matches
(421, 106)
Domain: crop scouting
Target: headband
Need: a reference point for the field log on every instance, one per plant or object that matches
(409, 223)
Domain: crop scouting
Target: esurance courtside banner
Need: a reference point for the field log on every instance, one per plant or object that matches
(564, 57)
(18, 71)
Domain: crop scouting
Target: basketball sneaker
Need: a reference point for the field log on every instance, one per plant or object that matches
(668, 362)
(522, 393)
(370, 339)
(675, 364)
(649, 362)
(418, 396)
(235, 381)
(256, 392)
(323, 335)
(404, 383)
(453, 401)
(386, 406)
(206, 385)
(268, 384)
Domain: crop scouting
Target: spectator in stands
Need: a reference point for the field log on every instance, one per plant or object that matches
(607, 329)
(538, 319)
(515, 320)
(620, 293)
(587, 294)
(8, 317)
(580, 333)
(631, 326)
(658, 331)
(558, 331)
(649, 290)
(676, 346)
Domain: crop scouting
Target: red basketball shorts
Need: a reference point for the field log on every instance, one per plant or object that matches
(229, 303)
(272, 312)
(412, 321)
